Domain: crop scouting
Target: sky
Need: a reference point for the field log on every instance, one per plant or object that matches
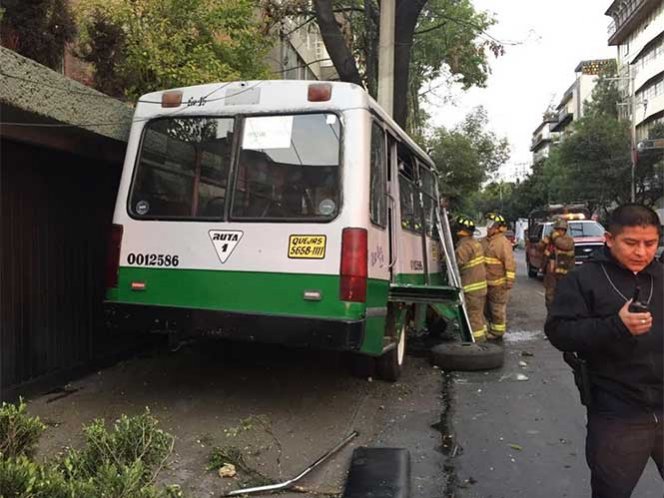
(552, 38)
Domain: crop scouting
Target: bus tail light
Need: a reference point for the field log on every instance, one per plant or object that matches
(319, 92)
(113, 256)
(353, 286)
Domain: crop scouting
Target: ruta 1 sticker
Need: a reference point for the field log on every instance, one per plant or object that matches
(224, 241)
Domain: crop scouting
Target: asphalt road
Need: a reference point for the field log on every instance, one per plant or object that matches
(525, 438)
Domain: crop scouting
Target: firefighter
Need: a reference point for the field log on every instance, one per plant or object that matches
(470, 258)
(558, 258)
(500, 275)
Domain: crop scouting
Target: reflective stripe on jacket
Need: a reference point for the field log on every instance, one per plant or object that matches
(499, 260)
(470, 258)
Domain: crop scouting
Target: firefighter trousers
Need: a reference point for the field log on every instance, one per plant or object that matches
(475, 302)
(496, 310)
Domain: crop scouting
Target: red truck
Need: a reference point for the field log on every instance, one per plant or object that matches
(588, 236)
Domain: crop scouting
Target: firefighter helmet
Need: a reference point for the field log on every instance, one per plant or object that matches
(464, 223)
(560, 224)
(496, 218)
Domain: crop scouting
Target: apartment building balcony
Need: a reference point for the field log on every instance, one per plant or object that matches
(627, 15)
(564, 118)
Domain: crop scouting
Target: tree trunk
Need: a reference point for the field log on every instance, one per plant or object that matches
(371, 22)
(335, 43)
(406, 19)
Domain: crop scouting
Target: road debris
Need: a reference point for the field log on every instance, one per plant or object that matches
(227, 470)
(289, 483)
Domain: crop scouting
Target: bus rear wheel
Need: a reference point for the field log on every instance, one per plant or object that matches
(390, 365)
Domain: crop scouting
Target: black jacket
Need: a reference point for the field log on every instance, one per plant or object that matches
(626, 372)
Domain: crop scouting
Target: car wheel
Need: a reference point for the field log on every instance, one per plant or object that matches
(468, 356)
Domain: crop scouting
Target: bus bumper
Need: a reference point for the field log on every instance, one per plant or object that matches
(296, 331)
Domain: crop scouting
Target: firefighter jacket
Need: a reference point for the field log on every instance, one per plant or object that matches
(558, 254)
(626, 372)
(499, 260)
(470, 258)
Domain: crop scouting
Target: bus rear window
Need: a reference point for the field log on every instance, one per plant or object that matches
(288, 168)
(182, 169)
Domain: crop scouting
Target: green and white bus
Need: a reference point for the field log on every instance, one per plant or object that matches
(289, 212)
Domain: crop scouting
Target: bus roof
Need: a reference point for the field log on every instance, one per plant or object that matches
(267, 96)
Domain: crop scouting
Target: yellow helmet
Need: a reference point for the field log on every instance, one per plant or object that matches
(496, 218)
(464, 223)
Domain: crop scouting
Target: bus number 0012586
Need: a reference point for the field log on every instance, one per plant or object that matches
(153, 259)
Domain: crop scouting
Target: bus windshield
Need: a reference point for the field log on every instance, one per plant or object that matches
(287, 168)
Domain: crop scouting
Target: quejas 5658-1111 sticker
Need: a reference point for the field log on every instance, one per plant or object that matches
(307, 246)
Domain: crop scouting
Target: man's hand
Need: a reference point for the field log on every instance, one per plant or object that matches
(509, 284)
(636, 323)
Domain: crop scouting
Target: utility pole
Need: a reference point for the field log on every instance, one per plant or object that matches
(634, 154)
(386, 56)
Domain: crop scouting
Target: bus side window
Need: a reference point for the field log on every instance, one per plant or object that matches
(378, 193)
(407, 203)
(429, 198)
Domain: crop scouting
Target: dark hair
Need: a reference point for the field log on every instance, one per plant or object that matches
(633, 215)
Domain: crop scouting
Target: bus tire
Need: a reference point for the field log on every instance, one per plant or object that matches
(390, 365)
(468, 356)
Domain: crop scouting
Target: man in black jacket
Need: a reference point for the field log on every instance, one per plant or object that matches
(622, 349)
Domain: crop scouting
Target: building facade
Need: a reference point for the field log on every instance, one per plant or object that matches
(572, 106)
(300, 53)
(543, 137)
(637, 31)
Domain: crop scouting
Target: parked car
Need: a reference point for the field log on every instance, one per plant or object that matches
(588, 236)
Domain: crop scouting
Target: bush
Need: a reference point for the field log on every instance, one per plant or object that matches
(123, 462)
(19, 433)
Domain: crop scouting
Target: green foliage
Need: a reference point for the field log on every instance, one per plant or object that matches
(465, 157)
(606, 95)
(37, 29)
(138, 46)
(134, 440)
(119, 463)
(19, 433)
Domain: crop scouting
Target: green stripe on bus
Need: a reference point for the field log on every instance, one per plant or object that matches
(249, 292)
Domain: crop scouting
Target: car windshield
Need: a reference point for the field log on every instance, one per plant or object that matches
(586, 229)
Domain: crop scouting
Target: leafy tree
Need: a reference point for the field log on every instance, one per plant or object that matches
(466, 156)
(138, 46)
(37, 29)
(606, 94)
(432, 37)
